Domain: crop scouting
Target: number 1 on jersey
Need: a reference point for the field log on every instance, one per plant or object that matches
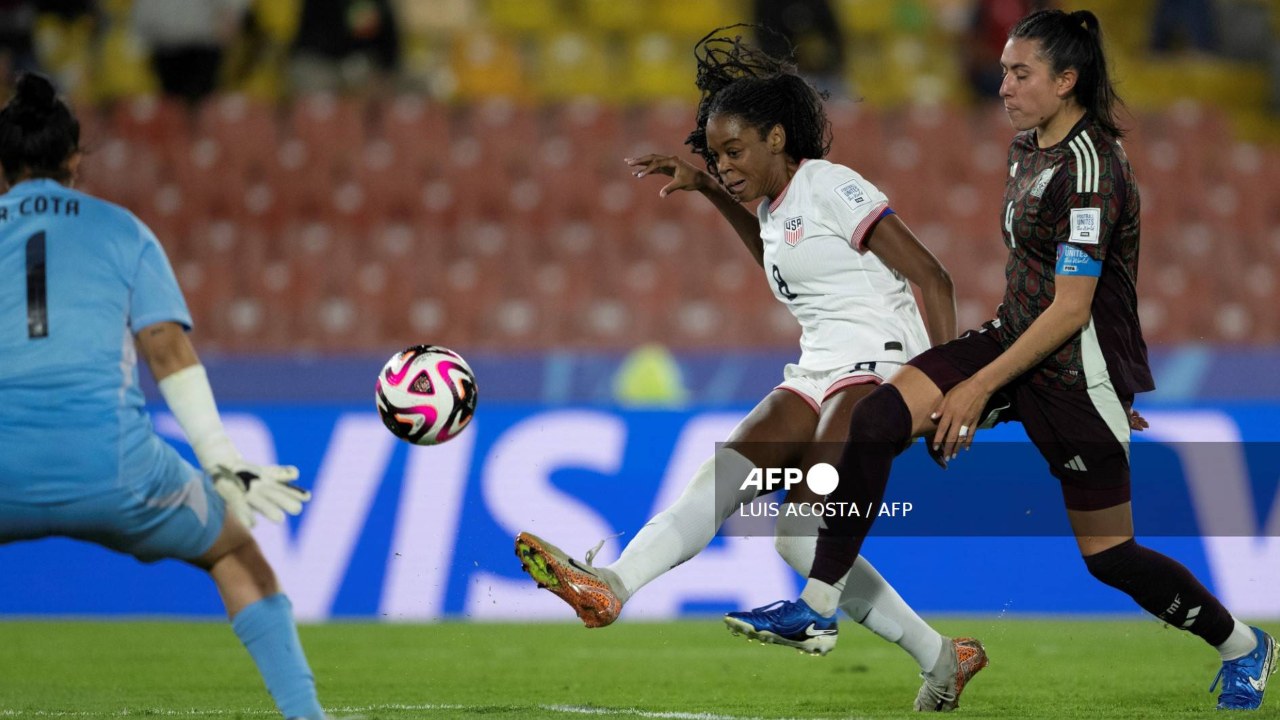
(37, 294)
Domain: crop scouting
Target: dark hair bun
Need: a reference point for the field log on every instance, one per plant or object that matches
(36, 92)
(34, 100)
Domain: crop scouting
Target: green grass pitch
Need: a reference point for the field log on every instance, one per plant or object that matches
(684, 671)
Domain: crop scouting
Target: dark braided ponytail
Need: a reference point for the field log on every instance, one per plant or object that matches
(737, 79)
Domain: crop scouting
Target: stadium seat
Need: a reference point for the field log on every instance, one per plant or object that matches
(331, 127)
(617, 16)
(659, 67)
(525, 17)
(571, 64)
(151, 121)
(247, 129)
(693, 20)
(864, 17)
(487, 65)
(416, 128)
(502, 132)
(665, 124)
(439, 17)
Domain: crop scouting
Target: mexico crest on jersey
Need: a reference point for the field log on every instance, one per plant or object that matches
(793, 230)
(1042, 182)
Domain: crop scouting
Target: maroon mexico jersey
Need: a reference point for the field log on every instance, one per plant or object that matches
(1073, 209)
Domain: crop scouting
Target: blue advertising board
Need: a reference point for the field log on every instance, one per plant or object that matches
(403, 533)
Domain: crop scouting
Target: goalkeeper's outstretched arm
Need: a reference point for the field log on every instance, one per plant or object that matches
(266, 489)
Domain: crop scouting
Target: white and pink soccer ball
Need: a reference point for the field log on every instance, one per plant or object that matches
(426, 394)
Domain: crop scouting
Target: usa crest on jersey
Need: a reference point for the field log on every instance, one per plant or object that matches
(793, 230)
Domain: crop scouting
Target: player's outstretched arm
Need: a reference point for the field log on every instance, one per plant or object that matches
(899, 249)
(685, 176)
(246, 487)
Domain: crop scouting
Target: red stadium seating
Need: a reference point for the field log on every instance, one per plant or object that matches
(333, 224)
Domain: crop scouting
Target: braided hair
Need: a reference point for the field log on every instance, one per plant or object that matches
(737, 79)
(38, 133)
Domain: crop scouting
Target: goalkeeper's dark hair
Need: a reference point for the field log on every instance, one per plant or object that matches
(38, 132)
(1074, 41)
(740, 80)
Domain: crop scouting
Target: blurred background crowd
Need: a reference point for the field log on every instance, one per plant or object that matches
(341, 175)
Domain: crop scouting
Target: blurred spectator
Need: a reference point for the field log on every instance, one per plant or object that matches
(344, 45)
(1184, 25)
(811, 28)
(187, 39)
(17, 51)
(1244, 29)
(988, 32)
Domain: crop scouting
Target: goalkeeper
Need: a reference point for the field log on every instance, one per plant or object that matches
(78, 455)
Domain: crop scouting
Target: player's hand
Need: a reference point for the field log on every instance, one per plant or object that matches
(683, 175)
(232, 493)
(958, 416)
(1137, 423)
(268, 489)
(935, 453)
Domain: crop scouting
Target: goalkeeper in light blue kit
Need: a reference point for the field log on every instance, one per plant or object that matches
(86, 289)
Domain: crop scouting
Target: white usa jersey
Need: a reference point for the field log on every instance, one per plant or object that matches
(852, 308)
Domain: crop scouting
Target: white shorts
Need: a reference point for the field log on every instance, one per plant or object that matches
(815, 386)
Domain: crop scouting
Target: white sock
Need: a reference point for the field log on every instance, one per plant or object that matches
(684, 529)
(886, 614)
(866, 596)
(1241, 642)
(820, 596)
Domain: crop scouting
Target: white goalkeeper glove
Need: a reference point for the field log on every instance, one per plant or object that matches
(246, 488)
(233, 497)
(266, 489)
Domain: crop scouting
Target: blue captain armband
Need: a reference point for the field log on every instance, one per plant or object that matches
(1074, 261)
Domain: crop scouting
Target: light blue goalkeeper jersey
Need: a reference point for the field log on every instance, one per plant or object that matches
(78, 277)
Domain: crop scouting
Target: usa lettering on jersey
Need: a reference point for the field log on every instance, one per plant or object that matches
(793, 230)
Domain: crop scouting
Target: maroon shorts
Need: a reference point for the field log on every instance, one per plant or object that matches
(1068, 427)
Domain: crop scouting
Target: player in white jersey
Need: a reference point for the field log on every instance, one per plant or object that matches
(87, 289)
(838, 257)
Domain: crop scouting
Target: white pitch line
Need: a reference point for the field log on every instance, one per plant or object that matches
(659, 714)
(427, 707)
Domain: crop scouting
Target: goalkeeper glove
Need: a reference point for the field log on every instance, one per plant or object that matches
(232, 493)
(245, 487)
(267, 489)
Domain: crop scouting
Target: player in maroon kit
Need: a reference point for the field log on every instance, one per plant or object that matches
(1064, 355)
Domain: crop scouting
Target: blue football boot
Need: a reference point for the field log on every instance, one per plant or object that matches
(793, 624)
(1245, 679)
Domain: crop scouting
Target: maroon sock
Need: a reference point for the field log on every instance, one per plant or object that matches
(878, 432)
(1164, 588)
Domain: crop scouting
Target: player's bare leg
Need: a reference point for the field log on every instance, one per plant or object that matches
(262, 618)
(239, 570)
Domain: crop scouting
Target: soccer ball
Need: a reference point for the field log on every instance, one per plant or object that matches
(426, 394)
